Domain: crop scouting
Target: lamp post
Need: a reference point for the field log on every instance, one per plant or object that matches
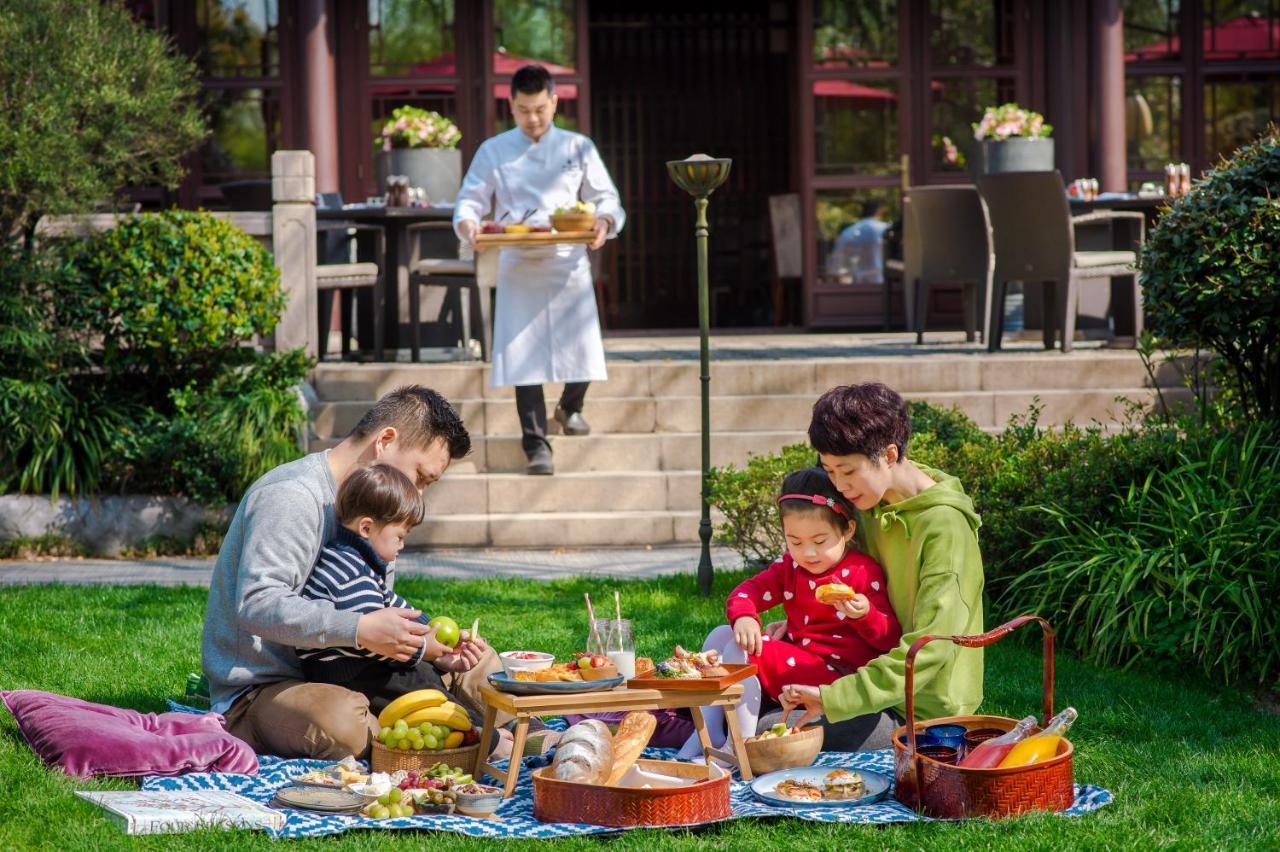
(699, 176)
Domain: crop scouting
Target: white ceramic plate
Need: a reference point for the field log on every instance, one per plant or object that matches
(877, 786)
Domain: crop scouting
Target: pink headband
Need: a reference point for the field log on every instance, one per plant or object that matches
(817, 500)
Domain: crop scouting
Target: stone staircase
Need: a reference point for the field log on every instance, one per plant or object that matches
(634, 481)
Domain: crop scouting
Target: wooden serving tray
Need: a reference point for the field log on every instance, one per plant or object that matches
(539, 238)
(737, 672)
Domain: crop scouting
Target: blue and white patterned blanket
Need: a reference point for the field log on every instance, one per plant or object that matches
(514, 818)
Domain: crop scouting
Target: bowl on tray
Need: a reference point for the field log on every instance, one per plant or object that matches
(785, 752)
(525, 661)
(573, 221)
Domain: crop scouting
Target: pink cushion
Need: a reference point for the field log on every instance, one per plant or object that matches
(84, 739)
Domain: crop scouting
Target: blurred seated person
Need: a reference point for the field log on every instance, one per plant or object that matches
(858, 254)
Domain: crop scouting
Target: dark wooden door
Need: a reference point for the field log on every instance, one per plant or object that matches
(670, 79)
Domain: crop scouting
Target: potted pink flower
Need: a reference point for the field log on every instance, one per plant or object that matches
(1013, 139)
(422, 144)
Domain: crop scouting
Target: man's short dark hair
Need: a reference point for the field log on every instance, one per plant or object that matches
(871, 208)
(532, 79)
(420, 416)
(863, 419)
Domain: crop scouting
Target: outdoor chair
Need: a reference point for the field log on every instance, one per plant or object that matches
(339, 277)
(458, 277)
(1034, 235)
(946, 239)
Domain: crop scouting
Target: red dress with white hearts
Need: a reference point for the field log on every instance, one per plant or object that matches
(822, 644)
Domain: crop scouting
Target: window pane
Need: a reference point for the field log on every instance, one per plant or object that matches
(850, 232)
(855, 127)
(566, 110)
(957, 105)
(411, 38)
(1242, 29)
(972, 32)
(1151, 30)
(244, 129)
(542, 31)
(847, 33)
(238, 38)
(1236, 112)
(1153, 119)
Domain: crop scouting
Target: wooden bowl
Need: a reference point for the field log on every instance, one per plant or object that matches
(573, 221)
(784, 752)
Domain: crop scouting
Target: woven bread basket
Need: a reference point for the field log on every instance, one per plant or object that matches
(946, 791)
(383, 759)
(705, 801)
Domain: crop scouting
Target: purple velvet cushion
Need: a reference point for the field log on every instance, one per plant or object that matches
(84, 739)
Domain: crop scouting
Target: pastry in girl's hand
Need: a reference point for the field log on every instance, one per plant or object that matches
(834, 593)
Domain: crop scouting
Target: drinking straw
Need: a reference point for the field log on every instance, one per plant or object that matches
(617, 606)
(591, 616)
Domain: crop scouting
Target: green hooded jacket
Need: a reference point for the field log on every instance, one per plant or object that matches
(928, 547)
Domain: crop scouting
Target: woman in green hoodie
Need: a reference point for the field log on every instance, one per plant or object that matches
(921, 527)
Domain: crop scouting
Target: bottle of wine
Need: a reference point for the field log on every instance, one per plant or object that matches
(1043, 745)
(989, 754)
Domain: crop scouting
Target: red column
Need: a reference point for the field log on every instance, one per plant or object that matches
(1108, 23)
(321, 94)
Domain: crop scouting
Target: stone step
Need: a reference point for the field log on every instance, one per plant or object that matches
(962, 372)
(599, 528)
(517, 493)
(682, 414)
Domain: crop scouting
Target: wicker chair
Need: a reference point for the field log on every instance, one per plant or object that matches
(1035, 243)
(341, 280)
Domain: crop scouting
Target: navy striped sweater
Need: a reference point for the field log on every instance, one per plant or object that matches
(351, 576)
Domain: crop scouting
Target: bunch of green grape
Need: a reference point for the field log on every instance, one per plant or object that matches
(391, 804)
(425, 736)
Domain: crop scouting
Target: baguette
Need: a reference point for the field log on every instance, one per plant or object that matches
(834, 592)
(585, 753)
(633, 735)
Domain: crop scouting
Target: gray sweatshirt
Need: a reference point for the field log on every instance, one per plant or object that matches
(256, 616)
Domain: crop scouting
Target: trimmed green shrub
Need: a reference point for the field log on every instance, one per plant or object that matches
(55, 418)
(1186, 568)
(175, 294)
(1210, 271)
(93, 101)
(219, 438)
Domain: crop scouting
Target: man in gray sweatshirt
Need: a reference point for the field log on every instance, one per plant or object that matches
(256, 616)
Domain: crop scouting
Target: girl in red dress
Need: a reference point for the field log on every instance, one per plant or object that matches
(821, 641)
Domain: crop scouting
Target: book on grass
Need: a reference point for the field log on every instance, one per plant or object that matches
(171, 811)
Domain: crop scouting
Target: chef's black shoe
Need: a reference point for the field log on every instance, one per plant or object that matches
(571, 422)
(540, 463)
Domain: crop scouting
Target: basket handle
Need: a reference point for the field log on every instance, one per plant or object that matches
(979, 641)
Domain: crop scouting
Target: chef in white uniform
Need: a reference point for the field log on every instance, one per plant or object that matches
(546, 325)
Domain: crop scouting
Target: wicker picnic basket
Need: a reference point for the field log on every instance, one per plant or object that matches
(705, 801)
(947, 791)
(383, 759)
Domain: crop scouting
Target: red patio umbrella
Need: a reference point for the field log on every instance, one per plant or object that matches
(1245, 37)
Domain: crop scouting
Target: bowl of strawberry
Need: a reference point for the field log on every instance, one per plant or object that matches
(595, 667)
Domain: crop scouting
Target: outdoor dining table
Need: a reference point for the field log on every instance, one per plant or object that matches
(395, 222)
(525, 707)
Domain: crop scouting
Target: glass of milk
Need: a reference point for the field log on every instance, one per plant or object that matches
(620, 648)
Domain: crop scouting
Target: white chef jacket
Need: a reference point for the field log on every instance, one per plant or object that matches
(546, 325)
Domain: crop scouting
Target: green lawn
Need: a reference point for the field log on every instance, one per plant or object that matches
(1191, 765)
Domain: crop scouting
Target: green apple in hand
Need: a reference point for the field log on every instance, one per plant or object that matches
(447, 632)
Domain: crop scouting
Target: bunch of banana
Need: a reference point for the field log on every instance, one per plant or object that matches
(448, 714)
(411, 702)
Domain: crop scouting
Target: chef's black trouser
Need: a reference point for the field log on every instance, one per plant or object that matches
(531, 405)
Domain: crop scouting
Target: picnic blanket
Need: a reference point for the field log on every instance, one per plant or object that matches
(514, 818)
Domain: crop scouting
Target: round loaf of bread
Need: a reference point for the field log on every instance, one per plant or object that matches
(585, 753)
